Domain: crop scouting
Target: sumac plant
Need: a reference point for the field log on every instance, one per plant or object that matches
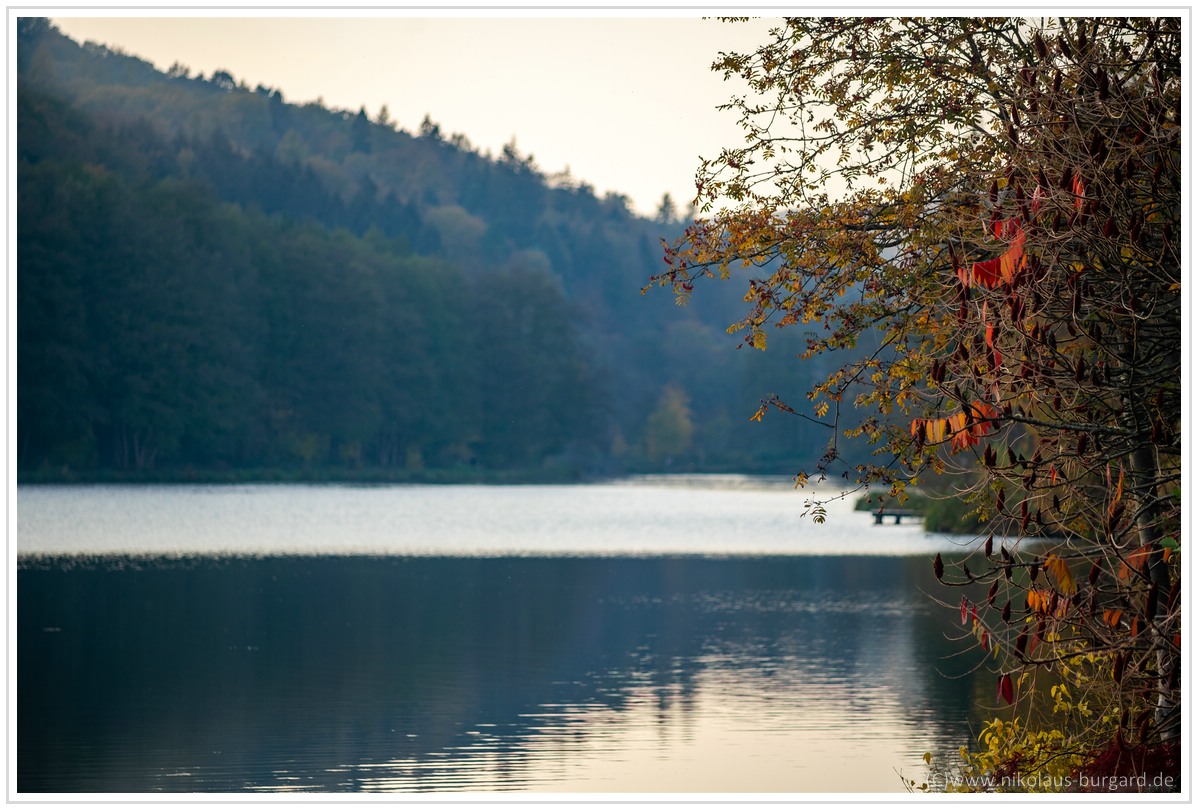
(987, 213)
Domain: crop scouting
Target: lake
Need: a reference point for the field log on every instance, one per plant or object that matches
(652, 635)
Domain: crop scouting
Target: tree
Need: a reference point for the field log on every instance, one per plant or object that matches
(430, 129)
(384, 118)
(224, 80)
(997, 202)
(536, 394)
(669, 428)
(667, 211)
(360, 132)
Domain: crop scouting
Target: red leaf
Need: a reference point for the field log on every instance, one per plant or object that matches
(964, 610)
(1079, 190)
(987, 273)
(1006, 689)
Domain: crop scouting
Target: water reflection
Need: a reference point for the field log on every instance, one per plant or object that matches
(678, 674)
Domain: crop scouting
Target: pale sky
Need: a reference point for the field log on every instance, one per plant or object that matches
(626, 102)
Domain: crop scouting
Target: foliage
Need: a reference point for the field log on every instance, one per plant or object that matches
(162, 328)
(994, 205)
(343, 273)
(951, 516)
(669, 428)
(1084, 749)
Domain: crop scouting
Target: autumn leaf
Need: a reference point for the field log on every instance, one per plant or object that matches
(1006, 689)
(1010, 319)
(1059, 569)
(1136, 562)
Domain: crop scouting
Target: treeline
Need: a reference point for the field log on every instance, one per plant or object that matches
(212, 279)
(159, 325)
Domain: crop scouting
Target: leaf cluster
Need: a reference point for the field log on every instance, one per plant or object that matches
(994, 204)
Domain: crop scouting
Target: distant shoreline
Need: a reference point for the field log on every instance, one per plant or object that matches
(457, 475)
(314, 476)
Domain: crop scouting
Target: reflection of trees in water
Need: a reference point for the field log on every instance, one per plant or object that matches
(367, 673)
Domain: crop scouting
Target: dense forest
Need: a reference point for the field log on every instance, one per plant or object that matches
(212, 282)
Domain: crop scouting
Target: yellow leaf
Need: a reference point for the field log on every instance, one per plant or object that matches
(1059, 569)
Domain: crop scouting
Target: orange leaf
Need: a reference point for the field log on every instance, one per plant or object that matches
(1038, 600)
(936, 429)
(962, 440)
(982, 413)
(1012, 261)
(1059, 569)
(1136, 561)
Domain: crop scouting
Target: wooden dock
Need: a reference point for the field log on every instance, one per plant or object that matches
(897, 514)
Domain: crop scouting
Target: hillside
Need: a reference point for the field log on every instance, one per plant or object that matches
(213, 280)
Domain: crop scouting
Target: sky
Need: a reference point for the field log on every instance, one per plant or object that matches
(626, 103)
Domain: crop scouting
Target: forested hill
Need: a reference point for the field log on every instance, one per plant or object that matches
(213, 281)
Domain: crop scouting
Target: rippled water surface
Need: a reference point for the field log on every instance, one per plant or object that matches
(654, 635)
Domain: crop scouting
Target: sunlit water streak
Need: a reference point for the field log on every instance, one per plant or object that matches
(644, 516)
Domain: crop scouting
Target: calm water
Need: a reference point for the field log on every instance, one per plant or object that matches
(677, 635)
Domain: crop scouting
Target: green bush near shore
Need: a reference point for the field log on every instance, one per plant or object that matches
(947, 515)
